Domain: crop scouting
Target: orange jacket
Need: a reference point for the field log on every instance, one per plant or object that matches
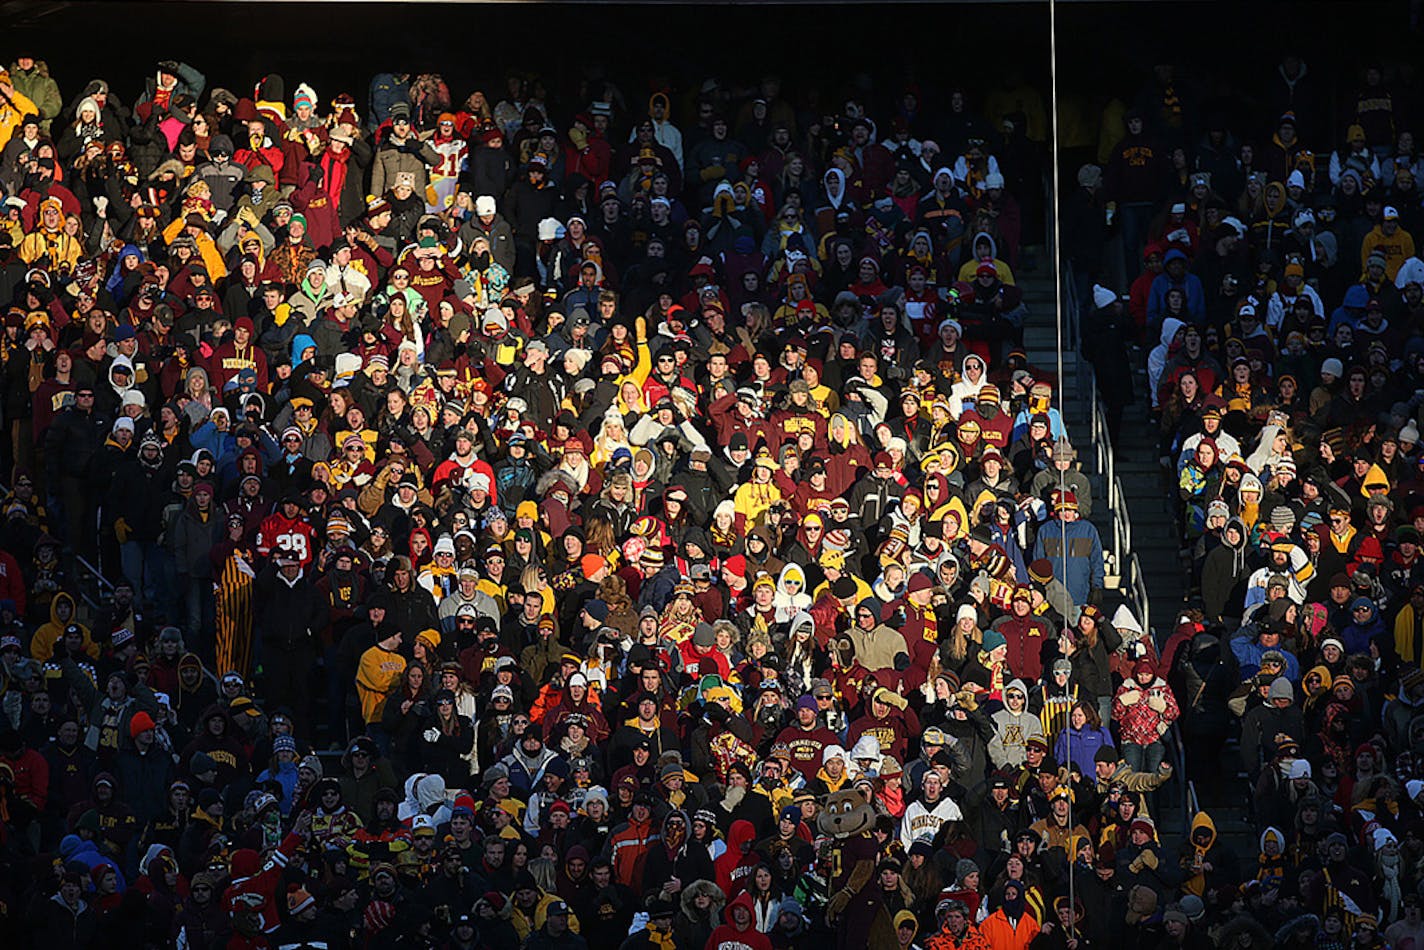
(1002, 935)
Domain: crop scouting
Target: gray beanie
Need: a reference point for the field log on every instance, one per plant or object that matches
(1281, 689)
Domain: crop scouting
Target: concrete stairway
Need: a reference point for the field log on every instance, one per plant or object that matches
(1041, 344)
(1149, 492)
(1146, 494)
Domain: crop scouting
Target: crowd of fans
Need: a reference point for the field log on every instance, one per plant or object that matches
(1274, 284)
(539, 520)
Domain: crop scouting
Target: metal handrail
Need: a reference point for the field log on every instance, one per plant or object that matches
(100, 583)
(1106, 443)
(1070, 310)
(1186, 788)
(1129, 566)
(1119, 502)
(1139, 590)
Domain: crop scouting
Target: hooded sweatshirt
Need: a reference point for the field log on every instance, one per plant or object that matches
(1161, 353)
(736, 864)
(731, 937)
(47, 636)
(1013, 730)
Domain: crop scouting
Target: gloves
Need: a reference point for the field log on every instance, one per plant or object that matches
(897, 701)
(431, 734)
(101, 203)
(1148, 858)
(713, 172)
(122, 530)
(1130, 697)
(1156, 703)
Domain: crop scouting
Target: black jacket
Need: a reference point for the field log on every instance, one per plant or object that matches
(527, 206)
(71, 443)
(289, 612)
(139, 495)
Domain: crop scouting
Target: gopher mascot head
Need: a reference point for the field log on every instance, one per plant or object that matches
(846, 813)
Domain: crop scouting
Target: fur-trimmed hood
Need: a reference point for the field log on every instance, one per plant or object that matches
(695, 890)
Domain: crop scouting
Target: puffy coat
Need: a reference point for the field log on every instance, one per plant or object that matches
(393, 158)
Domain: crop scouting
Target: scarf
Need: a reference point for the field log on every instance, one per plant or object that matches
(334, 169)
(660, 936)
(892, 798)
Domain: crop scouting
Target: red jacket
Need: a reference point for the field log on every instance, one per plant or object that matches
(294, 536)
(227, 362)
(251, 883)
(735, 865)
(269, 155)
(593, 161)
(12, 582)
(31, 778)
(807, 747)
(825, 612)
(729, 422)
(321, 211)
(452, 467)
(691, 659)
(892, 732)
(731, 937)
(1025, 637)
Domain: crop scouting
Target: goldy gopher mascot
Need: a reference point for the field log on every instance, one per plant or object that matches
(855, 910)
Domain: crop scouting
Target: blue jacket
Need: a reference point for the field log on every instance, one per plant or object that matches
(1082, 571)
(1078, 746)
(75, 848)
(284, 775)
(300, 342)
(1356, 638)
(658, 589)
(1191, 285)
(1248, 655)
